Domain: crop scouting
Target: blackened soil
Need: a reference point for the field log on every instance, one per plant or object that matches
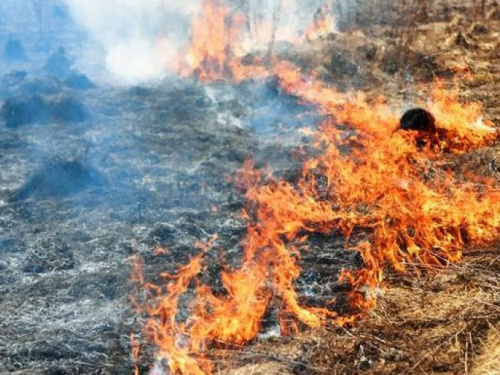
(114, 172)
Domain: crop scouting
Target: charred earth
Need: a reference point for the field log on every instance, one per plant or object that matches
(88, 182)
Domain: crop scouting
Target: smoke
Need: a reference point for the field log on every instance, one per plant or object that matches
(140, 38)
(145, 39)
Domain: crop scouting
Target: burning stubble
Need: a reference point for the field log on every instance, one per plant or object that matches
(368, 184)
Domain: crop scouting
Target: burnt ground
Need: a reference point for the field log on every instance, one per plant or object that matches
(104, 173)
(92, 174)
(148, 166)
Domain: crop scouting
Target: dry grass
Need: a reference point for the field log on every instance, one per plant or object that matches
(268, 368)
(488, 362)
(436, 323)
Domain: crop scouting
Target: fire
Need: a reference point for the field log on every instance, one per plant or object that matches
(223, 42)
(218, 46)
(395, 203)
(135, 352)
(209, 53)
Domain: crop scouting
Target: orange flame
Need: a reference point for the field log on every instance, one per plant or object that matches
(368, 178)
(216, 50)
(208, 54)
(410, 209)
(136, 346)
(221, 39)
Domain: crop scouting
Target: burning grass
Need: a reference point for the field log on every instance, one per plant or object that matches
(393, 202)
(391, 195)
(423, 324)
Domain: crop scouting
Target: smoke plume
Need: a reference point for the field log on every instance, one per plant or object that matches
(140, 38)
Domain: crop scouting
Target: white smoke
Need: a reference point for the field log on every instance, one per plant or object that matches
(140, 38)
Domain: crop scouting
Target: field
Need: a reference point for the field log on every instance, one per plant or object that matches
(97, 175)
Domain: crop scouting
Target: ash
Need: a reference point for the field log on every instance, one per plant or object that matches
(92, 173)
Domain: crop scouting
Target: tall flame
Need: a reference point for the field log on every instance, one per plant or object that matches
(218, 45)
(368, 179)
(221, 40)
(209, 53)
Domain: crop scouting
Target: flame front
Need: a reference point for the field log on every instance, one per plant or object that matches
(403, 203)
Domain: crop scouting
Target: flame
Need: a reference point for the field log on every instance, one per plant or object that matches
(367, 179)
(209, 53)
(402, 202)
(223, 43)
(218, 46)
(136, 347)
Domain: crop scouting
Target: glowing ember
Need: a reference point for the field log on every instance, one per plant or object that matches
(135, 352)
(374, 180)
